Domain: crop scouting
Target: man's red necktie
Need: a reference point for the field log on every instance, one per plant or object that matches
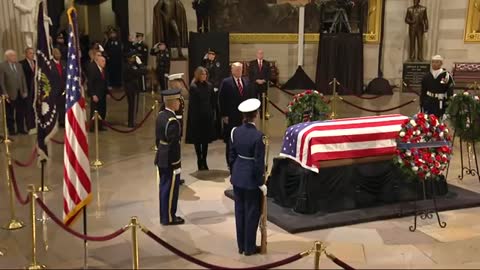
(240, 87)
(103, 74)
(260, 65)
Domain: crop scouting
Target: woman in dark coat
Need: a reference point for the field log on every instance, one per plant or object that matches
(200, 123)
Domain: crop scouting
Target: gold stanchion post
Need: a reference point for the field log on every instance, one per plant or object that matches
(134, 227)
(263, 221)
(34, 264)
(97, 163)
(13, 223)
(156, 108)
(334, 99)
(318, 253)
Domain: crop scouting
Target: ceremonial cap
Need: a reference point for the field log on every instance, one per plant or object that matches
(171, 94)
(60, 35)
(211, 51)
(175, 76)
(249, 105)
(138, 34)
(437, 57)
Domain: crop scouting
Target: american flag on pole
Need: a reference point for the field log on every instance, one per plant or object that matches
(313, 142)
(45, 95)
(76, 171)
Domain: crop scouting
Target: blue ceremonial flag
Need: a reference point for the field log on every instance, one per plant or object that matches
(46, 90)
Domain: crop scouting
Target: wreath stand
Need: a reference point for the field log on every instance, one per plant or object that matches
(426, 213)
(471, 151)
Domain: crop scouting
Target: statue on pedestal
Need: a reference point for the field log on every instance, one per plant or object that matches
(170, 24)
(417, 21)
(28, 16)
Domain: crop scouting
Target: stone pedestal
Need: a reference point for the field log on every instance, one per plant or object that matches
(412, 75)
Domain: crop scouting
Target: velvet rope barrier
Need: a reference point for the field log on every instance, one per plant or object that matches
(30, 161)
(277, 107)
(196, 261)
(57, 141)
(377, 111)
(107, 124)
(339, 262)
(15, 187)
(115, 98)
(77, 234)
(287, 92)
(361, 96)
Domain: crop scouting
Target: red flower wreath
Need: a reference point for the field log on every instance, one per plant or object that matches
(425, 162)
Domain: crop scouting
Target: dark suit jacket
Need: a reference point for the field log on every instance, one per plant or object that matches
(62, 80)
(97, 86)
(229, 100)
(29, 77)
(13, 83)
(254, 73)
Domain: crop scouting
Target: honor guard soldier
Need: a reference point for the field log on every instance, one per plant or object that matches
(437, 88)
(213, 66)
(247, 166)
(168, 157)
(132, 73)
(163, 63)
(141, 49)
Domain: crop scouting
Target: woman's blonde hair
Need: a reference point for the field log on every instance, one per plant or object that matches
(198, 72)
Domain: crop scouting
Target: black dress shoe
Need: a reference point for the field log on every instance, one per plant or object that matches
(182, 181)
(257, 251)
(240, 251)
(23, 132)
(205, 166)
(175, 221)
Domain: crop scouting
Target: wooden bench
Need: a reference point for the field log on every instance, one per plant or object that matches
(465, 74)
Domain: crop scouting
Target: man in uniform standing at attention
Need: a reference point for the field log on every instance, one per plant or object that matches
(211, 63)
(141, 49)
(114, 52)
(163, 63)
(437, 88)
(259, 75)
(417, 21)
(168, 157)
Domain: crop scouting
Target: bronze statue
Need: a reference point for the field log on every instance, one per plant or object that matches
(417, 21)
(170, 24)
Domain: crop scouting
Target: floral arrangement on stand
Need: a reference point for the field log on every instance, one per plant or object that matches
(308, 106)
(464, 114)
(424, 146)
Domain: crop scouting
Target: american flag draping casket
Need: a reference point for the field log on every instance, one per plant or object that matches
(313, 142)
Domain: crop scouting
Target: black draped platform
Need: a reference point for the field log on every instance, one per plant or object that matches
(301, 200)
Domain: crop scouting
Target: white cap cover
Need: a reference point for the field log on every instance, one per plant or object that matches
(437, 57)
(249, 105)
(175, 76)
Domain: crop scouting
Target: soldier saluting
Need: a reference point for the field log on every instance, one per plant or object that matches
(211, 63)
(163, 63)
(437, 88)
(168, 157)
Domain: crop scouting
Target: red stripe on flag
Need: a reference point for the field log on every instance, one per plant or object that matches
(72, 192)
(354, 138)
(318, 157)
(82, 176)
(77, 131)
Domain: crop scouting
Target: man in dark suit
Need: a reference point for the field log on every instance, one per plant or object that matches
(98, 88)
(14, 86)
(233, 91)
(259, 74)
(59, 89)
(29, 67)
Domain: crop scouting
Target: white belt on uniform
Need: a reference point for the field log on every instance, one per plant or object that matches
(440, 96)
(247, 158)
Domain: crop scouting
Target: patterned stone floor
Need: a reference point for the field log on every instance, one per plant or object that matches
(126, 187)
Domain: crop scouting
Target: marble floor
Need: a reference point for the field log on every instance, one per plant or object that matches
(126, 186)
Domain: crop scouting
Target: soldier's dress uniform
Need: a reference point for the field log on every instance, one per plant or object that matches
(163, 65)
(168, 160)
(141, 49)
(132, 73)
(215, 78)
(247, 165)
(437, 88)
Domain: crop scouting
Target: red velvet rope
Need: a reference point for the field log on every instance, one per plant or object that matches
(129, 130)
(77, 234)
(30, 161)
(15, 187)
(360, 96)
(340, 263)
(378, 111)
(56, 141)
(287, 92)
(115, 98)
(277, 107)
(196, 261)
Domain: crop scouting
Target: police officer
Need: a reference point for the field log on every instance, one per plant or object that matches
(211, 63)
(132, 73)
(247, 165)
(168, 158)
(163, 63)
(437, 88)
(141, 49)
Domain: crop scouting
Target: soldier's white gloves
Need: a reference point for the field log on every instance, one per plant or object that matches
(177, 171)
(137, 59)
(100, 48)
(263, 188)
(215, 89)
(166, 75)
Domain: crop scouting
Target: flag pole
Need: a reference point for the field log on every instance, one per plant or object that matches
(85, 243)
